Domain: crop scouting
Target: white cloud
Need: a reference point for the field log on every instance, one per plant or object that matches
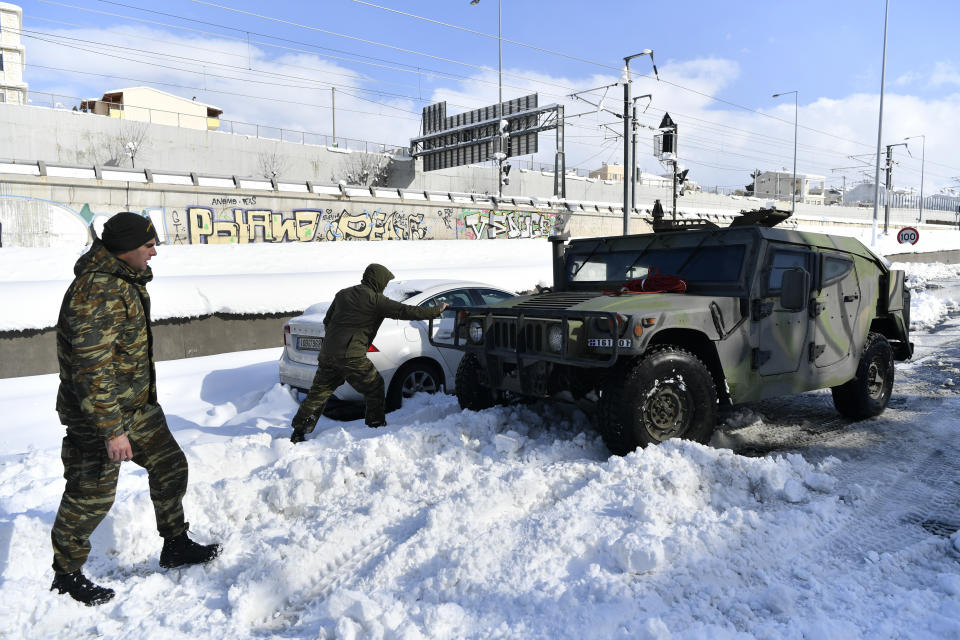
(720, 143)
(945, 73)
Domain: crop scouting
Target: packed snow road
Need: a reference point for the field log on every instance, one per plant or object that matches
(512, 522)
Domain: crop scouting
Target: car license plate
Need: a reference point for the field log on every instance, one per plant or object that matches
(309, 344)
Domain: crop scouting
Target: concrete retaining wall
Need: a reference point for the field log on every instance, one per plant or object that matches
(34, 352)
(56, 209)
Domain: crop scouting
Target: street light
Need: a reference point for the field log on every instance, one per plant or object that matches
(498, 153)
(923, 155)
(793, 185)
(626, 132)
(876, 175)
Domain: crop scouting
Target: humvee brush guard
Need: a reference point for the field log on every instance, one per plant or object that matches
(657, 331)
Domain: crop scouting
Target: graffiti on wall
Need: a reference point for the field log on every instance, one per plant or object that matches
(480, 224)
(33, 222)
(242, 226)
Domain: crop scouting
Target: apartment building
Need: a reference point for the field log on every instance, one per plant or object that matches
(12, 87)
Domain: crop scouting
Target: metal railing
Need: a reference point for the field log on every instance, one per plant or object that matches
(235, 127)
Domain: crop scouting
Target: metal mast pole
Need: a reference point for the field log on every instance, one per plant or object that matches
(626, 146)
(796, 95)
(876, 175)
(633, 157)
(500, 149)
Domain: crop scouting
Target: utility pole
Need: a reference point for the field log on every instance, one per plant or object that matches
(333, 112)
(633, 151)
(674, 183)
(886, 206)
(923, 160)
(627, 81)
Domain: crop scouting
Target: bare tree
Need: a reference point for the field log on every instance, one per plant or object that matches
(133, 136)
(365, 170)
(111, 149)
(272, 163)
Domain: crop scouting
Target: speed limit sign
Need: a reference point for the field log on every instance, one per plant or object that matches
(908, 234)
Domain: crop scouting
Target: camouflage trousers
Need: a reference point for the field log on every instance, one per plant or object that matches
(333, 372)
(92, 484)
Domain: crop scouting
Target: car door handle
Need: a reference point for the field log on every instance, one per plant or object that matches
(851, 298)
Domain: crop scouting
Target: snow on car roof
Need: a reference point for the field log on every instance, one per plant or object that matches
(398, 290)
(404, 289)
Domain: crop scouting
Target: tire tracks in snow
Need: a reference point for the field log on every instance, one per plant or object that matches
(365, 559)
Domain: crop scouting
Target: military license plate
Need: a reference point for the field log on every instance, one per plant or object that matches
(608, 342)
(309, 344)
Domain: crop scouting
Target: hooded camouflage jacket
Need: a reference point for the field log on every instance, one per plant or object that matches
(104, 345)
(354, 317)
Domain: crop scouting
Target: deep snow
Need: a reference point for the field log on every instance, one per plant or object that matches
(511, 522)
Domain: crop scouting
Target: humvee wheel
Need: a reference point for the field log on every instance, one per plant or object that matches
(668, 394)
(867, 394)
(471, 392)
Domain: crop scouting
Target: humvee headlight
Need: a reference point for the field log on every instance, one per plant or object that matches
(555, 338)
(476, 332)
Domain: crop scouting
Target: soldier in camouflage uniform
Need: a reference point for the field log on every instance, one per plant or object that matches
(108, 402)
(351, 323)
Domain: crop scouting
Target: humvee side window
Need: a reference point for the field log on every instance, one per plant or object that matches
(782, 260)
(835, 268)
(695, 264)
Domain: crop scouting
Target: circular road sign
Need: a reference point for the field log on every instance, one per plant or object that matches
(908, 234)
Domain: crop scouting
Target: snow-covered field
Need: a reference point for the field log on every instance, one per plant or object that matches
(512, 522)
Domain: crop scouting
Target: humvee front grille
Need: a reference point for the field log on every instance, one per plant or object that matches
(521, 336)
(531, 338)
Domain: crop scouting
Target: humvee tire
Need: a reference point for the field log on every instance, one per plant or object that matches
(471, 393)
(669, 393)
(868, 392)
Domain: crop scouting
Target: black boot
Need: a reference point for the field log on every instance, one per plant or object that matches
(301, 426)
(180, 550)
(81, 589)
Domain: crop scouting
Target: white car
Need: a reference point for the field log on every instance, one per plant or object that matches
(401, 351)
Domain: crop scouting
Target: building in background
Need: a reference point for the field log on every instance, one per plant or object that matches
(12, 87)
(609, 172)
(777, 185)
(146, 104)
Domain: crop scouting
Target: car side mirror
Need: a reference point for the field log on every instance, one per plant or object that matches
(793, 289)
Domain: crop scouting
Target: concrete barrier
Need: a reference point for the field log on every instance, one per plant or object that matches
(34, 351)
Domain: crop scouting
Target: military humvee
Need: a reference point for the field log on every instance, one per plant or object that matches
(658, 331)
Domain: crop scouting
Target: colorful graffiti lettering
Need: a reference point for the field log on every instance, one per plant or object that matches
(479, 224)
(242, 226)
(376, 226)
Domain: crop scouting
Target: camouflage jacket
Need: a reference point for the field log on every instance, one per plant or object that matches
(356, 313)
(104, 345)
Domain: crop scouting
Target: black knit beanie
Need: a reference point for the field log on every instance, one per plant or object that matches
(126, 231)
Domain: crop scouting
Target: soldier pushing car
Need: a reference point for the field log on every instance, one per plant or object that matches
(351, 323)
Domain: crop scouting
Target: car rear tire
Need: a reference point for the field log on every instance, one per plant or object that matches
(670, 393)
(413, 377)
(471, 392)
(867, 394)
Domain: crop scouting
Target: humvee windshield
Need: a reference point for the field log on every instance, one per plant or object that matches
(694, 264)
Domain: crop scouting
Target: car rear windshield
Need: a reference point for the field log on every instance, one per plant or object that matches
(694, 264)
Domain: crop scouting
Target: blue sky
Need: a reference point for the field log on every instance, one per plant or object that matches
(719, 63)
